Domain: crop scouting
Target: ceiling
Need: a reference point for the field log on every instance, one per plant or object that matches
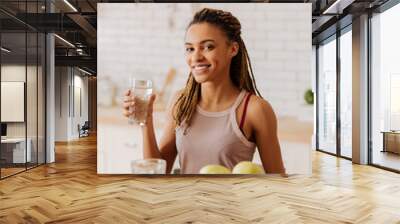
(76, 22)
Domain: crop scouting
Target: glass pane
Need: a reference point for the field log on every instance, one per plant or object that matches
(327, 97)
(41, 98)
(13, 87)
(346, 94)
(386, 89)
(31, 101)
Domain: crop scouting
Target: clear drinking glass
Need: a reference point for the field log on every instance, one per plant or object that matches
(141, 90)
(149, 166)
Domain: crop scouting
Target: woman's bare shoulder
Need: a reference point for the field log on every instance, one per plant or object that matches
(259, 105)
(260, 109)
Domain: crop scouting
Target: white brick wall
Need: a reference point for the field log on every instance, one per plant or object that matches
(145, 40)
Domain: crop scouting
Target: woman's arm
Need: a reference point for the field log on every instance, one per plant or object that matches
(167, 148)
(264, 125)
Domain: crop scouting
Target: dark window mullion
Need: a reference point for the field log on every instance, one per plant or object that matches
(26, 87)
(317, 96)
(44, 79)
(369, 89)
(338, 98)
(37, 91)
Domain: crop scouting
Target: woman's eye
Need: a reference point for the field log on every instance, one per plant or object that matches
(209, 47)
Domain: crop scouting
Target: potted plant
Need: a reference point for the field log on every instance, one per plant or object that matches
(309, 97)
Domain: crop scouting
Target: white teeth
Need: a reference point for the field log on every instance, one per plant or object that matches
(201, 66)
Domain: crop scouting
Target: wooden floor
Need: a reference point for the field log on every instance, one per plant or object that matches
(10, 171)
(70, 191)
(5, 172)
(387, 159)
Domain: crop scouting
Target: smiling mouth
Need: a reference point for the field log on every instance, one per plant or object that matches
(201, 67)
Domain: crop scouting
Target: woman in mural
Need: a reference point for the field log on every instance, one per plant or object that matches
(220, 116)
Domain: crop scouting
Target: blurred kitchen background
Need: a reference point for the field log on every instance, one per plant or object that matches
(147, 41)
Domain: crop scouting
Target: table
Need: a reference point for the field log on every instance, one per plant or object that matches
(391, 141)
(13, 150)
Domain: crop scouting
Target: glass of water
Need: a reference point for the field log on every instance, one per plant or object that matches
(149, 166)
(141, 90)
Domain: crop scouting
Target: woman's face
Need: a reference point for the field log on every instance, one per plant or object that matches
(208, 52)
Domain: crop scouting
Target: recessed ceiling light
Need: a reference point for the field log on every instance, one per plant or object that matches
(84, 71)
(70, 5)
(64, 40)
(5, 50)
(337, 7)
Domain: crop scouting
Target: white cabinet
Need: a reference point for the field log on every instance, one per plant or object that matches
(17, 146)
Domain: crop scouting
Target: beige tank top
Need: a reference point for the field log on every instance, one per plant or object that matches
(213, 138)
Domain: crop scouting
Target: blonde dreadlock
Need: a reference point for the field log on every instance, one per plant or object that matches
(241, 72)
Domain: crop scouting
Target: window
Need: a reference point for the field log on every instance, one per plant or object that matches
(327, 95)
(346, 93)
(385, 89)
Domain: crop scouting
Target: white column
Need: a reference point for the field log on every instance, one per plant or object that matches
(360, 90)
(50, 99)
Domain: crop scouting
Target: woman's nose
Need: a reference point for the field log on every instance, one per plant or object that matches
(197, 55)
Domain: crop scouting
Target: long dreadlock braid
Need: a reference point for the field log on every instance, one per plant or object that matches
(241, 72)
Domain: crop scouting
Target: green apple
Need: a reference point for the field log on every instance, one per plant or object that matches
(214, 169)
(247, 167)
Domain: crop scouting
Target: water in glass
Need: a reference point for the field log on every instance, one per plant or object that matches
(142, 90)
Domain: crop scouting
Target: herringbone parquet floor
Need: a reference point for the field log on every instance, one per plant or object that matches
(70, 191)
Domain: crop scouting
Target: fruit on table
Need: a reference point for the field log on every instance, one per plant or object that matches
(214, 169)
(247, 167)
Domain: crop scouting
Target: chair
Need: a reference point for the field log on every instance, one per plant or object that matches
(84, 130)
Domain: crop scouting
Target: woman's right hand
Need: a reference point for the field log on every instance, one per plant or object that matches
(128, 105)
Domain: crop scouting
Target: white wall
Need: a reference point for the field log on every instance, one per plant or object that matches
(61, 103)
(79, 117)
(67, 81)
